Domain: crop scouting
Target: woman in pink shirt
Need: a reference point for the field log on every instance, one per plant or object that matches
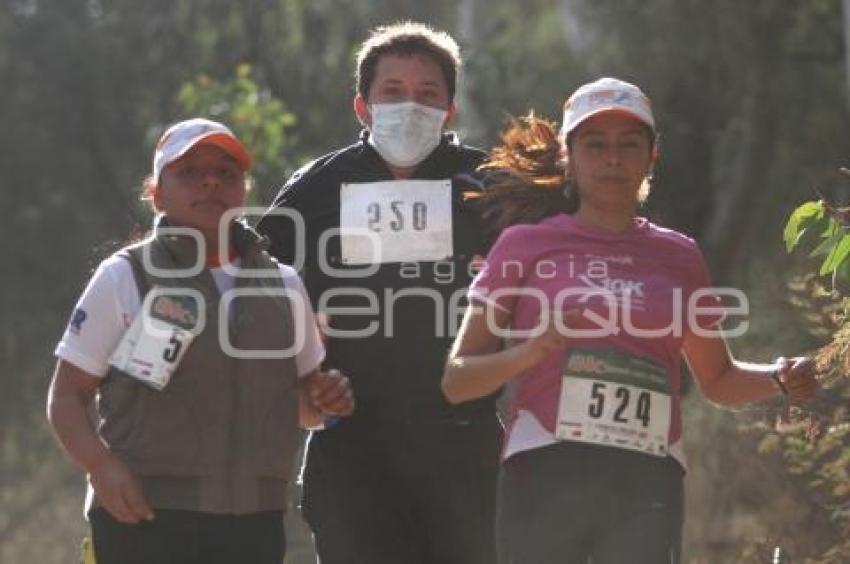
(588, 308)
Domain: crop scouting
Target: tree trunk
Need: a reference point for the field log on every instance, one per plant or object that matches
(577, 34)
(846, 9)
(469, 36)
(742, 157)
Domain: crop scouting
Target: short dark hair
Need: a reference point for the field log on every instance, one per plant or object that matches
(407, 38)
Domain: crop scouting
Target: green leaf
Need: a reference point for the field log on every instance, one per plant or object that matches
(800, 219)
(840, 278)
(836, 256)
(831, 235)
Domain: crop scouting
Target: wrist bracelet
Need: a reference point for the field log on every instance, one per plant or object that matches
(774, 375)
(331, 420)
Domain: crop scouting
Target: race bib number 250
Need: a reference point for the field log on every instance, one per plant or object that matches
(396, 221)
(614, 399)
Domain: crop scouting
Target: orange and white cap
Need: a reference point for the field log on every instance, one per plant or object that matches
(182, 136)
(606, 95)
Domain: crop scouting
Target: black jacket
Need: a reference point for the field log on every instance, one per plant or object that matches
(396, 371)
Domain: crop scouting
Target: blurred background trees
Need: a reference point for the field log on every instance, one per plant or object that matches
(753, 101)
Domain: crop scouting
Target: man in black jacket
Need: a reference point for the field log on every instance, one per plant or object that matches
(385, 236)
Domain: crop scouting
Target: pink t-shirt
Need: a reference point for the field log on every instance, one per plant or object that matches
(636, 286)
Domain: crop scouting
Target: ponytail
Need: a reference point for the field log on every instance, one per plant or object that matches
(524, 178)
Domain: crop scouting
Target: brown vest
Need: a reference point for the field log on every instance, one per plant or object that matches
(222, 436)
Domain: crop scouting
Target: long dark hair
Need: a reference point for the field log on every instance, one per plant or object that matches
(524, 178)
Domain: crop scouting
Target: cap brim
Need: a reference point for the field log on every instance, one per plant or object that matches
(621, 111)
(226, 143)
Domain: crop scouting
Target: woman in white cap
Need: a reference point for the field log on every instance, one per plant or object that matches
(203, 355)
(588, 308)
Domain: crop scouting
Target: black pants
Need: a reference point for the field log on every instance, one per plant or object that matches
(189, 537)
(406, 494)
(573, 504)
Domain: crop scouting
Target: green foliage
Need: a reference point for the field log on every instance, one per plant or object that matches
(824, 220)
(817, 452)
(260, 120)
(821, 464)
(802, 218)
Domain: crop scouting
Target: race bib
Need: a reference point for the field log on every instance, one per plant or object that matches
(396, 221)
(614, 399)
(164, 327)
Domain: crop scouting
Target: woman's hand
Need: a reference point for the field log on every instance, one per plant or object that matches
(479, 366)
(553, 338)
(798, 376)
(118, 490)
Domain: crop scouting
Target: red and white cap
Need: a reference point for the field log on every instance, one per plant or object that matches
(606, 95)
(182, 136)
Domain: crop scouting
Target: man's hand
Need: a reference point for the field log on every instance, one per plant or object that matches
(330, 393)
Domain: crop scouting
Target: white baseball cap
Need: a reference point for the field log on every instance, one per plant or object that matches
(606, 95)
(183, 135)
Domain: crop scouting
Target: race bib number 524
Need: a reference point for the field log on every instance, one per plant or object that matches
(614, 399)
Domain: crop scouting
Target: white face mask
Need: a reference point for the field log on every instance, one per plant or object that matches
(405, 133)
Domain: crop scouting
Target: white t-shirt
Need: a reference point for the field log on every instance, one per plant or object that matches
(110, 302)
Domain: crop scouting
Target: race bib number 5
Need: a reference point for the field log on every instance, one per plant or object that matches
(396, 221)
(614, 399)
(163, 329)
